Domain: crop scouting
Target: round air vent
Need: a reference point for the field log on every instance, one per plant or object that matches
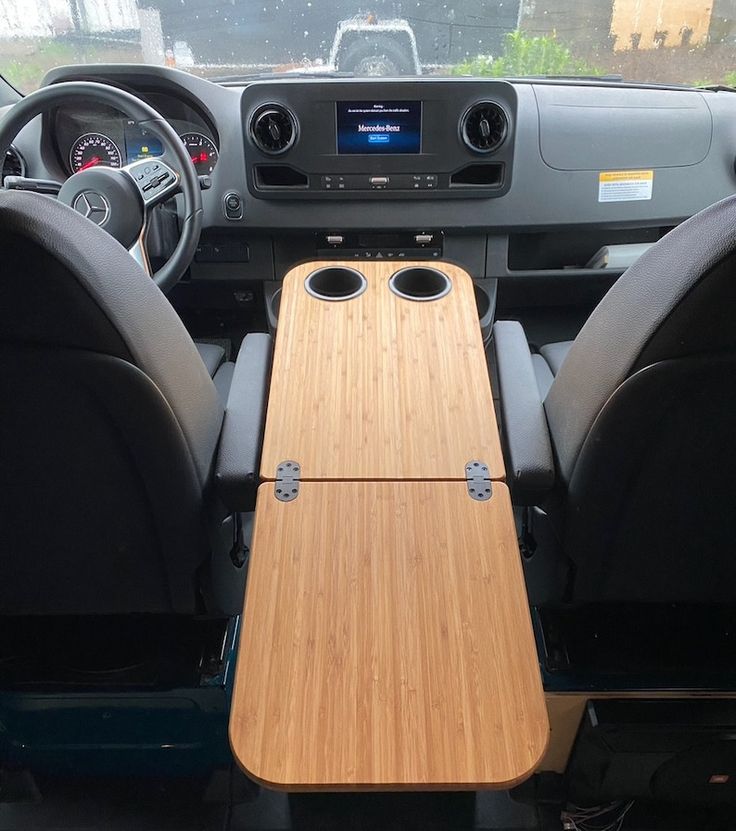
(273, 128)
(13, 164)
(484, 127)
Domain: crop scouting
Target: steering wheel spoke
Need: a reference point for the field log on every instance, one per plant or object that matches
(120, 201)
(154, 180)
(139, 252)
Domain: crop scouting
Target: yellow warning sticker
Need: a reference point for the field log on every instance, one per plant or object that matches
(625, 185)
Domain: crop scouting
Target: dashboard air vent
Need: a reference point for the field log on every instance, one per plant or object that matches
(13, 164)
(273, 128)
(484, 127)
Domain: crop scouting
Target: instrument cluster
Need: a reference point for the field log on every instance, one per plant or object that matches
(97, 135)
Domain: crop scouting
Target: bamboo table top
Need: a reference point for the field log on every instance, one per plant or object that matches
(387, 642)
(380, 387)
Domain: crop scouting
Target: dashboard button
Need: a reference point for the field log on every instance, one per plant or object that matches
(233, 206)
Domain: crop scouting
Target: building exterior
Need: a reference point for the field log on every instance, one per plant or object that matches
(641, 24)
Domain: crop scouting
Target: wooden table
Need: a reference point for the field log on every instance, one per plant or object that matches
(386, 640)
(380, 387)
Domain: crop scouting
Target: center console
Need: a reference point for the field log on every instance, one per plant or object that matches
(425, 139)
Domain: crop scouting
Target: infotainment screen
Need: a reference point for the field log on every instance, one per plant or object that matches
(379, 127)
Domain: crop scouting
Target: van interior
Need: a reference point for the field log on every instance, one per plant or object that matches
(366, 445)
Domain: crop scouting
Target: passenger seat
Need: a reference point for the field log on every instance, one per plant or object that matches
(220, 370)
(547, 363)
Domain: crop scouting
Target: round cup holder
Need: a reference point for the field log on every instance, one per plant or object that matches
(420, 283)
(276, 303)
(482, 301)
(335, 283)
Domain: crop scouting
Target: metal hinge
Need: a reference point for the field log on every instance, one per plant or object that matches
(286, 486)
(478, 480)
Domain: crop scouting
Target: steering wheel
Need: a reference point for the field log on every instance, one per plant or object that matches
(120, 200)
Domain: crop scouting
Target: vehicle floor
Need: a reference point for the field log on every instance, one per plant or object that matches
(192, 805)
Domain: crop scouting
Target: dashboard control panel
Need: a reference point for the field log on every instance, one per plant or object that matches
(407, 245)
(369, 181)
(416, 140)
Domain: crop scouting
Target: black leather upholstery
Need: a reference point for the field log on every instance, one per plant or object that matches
(547, 363)
(108, 430)
(223, 380)
(212, 356)
(613, 340)
(639, 416)
(240, 446)
(221, 371)
(555, 354)
(529, 461)
(542, 373)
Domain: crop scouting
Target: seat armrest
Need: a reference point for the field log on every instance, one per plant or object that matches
(241, 439)
(526, 439)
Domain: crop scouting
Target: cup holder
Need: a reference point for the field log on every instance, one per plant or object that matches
(482, 301)
(335, 283)
(419, 283)
(276, 303)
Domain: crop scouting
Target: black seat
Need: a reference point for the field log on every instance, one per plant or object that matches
(220, 370)
(623, 441)
(124, 478)
(547, 363)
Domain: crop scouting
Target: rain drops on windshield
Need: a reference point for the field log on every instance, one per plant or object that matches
(671, 42)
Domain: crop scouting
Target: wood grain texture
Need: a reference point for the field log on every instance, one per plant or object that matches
(380, 387)
(387, 642)
(565, 713)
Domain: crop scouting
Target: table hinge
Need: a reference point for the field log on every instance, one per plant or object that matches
(286, 486)
(478, 480)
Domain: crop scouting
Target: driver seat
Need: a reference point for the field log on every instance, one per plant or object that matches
(124, 477)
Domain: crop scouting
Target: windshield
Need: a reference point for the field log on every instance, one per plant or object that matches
(672, 41)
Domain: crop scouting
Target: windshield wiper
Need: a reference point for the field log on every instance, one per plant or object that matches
(608, 79)
(270, 76)
(717, 88)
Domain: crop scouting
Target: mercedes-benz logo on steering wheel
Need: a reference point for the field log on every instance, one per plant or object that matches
(92, 206)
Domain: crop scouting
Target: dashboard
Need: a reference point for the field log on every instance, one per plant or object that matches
(418, 141)
(522, 180)
(97, 135)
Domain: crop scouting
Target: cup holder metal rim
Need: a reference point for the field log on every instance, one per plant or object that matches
(313, 293)
(418, 298)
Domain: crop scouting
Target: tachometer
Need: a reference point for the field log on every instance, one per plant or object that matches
(202, 151)
(93, 149)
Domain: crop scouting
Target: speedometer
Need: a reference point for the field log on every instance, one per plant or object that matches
(202, 151)
(94, 149)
